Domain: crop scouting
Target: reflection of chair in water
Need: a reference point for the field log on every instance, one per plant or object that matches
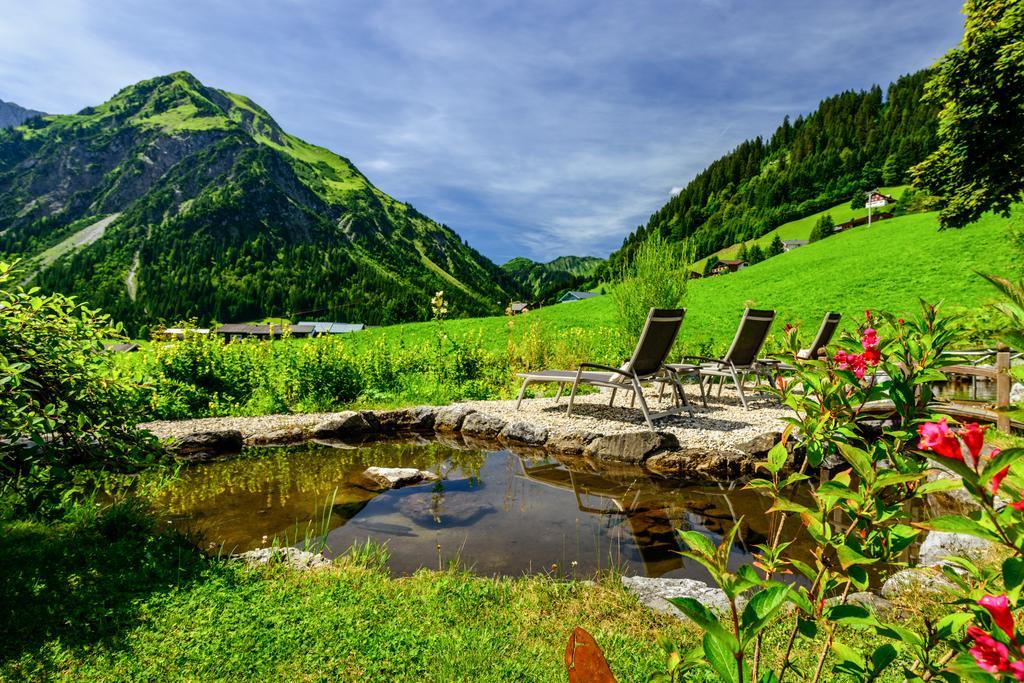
(652, 530)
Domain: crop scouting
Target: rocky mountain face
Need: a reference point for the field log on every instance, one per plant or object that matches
(12, 114)
(542, 282)
(174, 200)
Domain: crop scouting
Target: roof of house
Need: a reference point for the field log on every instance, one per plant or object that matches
(732, 262)
(301, 328)
(518, 306)
(794, 243)
(320, 327)
(581, 295)
(250, 329)
(172, 331)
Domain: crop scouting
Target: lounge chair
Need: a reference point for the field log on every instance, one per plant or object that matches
(647, 364)
(741, 359)
(829, 324)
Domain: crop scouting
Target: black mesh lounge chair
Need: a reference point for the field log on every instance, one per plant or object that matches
(647, 364)
(741, 359)
(829, 324)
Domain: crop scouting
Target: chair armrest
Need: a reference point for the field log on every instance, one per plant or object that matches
(705, 359)
(608, 368)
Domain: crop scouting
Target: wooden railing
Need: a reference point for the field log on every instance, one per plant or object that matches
(998, 373)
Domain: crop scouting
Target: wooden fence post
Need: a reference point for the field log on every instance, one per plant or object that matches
(1002, 377)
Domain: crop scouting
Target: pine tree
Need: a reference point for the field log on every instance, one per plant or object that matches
(755, 254)
(776, 247)
(822, 228)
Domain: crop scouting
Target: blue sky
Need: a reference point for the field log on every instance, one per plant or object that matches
(531, 128)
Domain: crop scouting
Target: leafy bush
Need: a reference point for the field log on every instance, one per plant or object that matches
(64, 418)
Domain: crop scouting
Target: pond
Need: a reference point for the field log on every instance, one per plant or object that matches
(492, 512)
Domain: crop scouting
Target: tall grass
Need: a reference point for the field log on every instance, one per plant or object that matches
(657, 277)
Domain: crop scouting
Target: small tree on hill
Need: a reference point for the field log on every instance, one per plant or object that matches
(822, 228)
(979, 165)
(755, 254)
(710, 264)
(776, 247)
(742, 253)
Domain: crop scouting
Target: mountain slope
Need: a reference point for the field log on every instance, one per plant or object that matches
(545, 281)
(12, 114)
(222, 216)
(851, 143)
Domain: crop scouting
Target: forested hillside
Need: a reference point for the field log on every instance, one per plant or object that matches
(176, 200)
(544, 282)
(851, 143)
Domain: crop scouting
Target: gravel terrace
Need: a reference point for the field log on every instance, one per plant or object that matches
(724, 424)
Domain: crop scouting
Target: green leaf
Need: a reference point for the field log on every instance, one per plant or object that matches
(851, 615)
(1013, 572)
(761, 608)
(882, 657)
(939, 485)
(698, 542)
(705, 618)
(721, 658)
(959, 525)
(848, 556)
(1005, 458)
(846, 654)
(860, 461)
(777, 458)
(808, 628)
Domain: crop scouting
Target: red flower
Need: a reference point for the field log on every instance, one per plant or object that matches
(872, 356)
(999, 607)
(988, 653)
(842, 359)
(1017, 669)
(997, 480)
(867, 314)
(869, 340)
(1018, 506)
(973, 437)
(936, 437)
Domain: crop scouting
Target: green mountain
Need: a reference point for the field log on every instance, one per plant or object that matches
(175, 200)
(12, 114)
(538, 282)
(851, 143)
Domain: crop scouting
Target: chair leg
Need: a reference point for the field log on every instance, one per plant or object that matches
(682, 396)
(703, 394)
(638, 391)
(632, 400)
(561, 388)
(721, 383)
(612, 399)
(739, 388)
(572, 396)
(522, 392)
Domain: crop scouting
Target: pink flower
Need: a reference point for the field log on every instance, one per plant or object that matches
(872, 356)
(869, 340)
(997, 480)
(989, 654)
(859, 370)
(973, 437)
(1018, 506)
(999, 607)
(1017, 669)
(936, 437)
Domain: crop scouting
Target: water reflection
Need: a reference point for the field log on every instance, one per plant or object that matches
(493, 512)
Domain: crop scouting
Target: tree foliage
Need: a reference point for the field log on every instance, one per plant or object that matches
(63, 417)
(979, 164)
(838, 151)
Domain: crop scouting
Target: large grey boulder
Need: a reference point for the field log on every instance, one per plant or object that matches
(202, 445)
(1017, 393)
(279, 436)
(922, 582)
(938, 545)
(395, 477)
(570, 441)
(631, 447)
(291, 557)
(450, 418)
(698, 461)
(525, 433)
(655, 594)
(955, 501)
(482, 425)
(418, 419)
(342, 425)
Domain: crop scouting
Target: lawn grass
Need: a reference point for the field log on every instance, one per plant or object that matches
(887, 266)
(101, 597)
(800, 229)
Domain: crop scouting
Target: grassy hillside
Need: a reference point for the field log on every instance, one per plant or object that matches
(885, 266)
(800, 229)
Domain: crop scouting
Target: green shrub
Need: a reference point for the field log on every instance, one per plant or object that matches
(657, 277)
(64, 416)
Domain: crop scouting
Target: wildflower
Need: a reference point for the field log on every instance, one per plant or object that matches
(997, 480)
(936, 437)
(1017, 669)
(999, 607)
(842, 359)
(973, 437)
(1018, 506)
(869, 340)
(988, 653)
(872, 356)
